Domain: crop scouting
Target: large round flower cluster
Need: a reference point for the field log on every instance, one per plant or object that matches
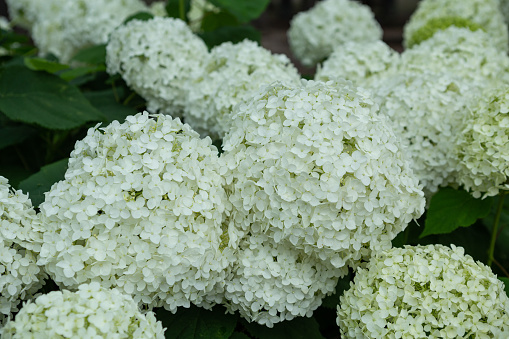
(141, 208)
(316, 164)
(466, 53)
(90, 312)
(232, 74)
(482, 146)
(426, 110)
(157, 58)
(315, 33)
(358, 62)
(483, 14)
(424, 292)
(63, 27)
(20, 276)
(276, 282)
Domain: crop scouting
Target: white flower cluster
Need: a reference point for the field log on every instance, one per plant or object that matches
(64, 27)
(482, 147)
(90, 312)
(141, 208)
(158, 59)
(315, 33)
(427, 111)
(468, 54)
(424, 292)
(483, 14)
(232, 74)
(358, 62)
(316, 165)
(25, 12)
(20, 276)
(276, 282)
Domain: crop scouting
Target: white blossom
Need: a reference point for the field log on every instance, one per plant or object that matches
(158, 59)
(90, 312)
(424, 292)
(141, 208)
(316, 165)
(233, 73)
(20, 276)
(482, 147)
(433, 15)
(313, 34)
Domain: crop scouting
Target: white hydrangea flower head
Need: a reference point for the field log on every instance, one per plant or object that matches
(73, 25)
(273, 282)
(90, 312)
(424, 292)
(316, 164)
(358, 62)
(482, 147)
(25, 12)
(141, 208)
(426, 111)
(232, 75)
(158, 59)
(466, 53)
(475, 14)
(158, 8)
(20, 276)
(314, 34)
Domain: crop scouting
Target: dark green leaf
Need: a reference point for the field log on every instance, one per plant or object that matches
(298, 328)
(77, 72)
(12, 135)
(43, 99)
(15, 173)
(332, 301)
(450, 209)
(212, 21)
(40, 64)
(197, 323)
(93, 55)
(506, 283)
(178, 8)
(230, 33)
(142, 16)
(105, 102)
(39, 183)
(244, 11)
(238, 335)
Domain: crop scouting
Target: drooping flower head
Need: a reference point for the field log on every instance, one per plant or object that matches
(314, 34)
(424, 292)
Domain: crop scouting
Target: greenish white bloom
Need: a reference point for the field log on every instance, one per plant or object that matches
(314, 34)
(90, 312)
(482, 147)
(424, 292)
(232, 74)
(158, 59)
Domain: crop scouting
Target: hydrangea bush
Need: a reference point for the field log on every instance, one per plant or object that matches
(424, 292)
(90, 312)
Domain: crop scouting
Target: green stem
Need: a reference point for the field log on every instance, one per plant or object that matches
(182, 10)
(495, 228)
(129, 98)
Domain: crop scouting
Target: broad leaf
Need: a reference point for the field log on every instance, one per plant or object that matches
(244, 11)
(106, 103)
(212, 21)
(12, 135)
(197, 323)
(230, 33)
(239, 335)
(39, 183)
(178, 9)
(74, 73)
(506, 283)
(298, 328)
(40, 64)
(92, 55)
(450, 209)
(43, 99)
(143, 16)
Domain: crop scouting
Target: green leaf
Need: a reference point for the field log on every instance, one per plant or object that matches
(178, 9)
(77, 72)
(105, 102)
(239, 335)
(92, 55)
(43, 99)
(197, 323)
(15, 173)
(506, 282)
(143, 16)
(12, 135)
(230, 33)
(450, 209)
(40, 64)
(332, 301)
(212, 21)
(244, 11)
(298, 328)
(39, 183)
